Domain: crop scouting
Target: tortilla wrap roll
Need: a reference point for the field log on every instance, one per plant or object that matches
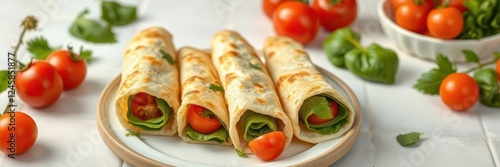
(303, 92)
(201, 92)
(148, 95)
(253, 104)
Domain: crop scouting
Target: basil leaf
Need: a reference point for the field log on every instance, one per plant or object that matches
(154, 123)
(430, 81)
(215, 88)
(317, 105)
(470, 56)
(133, 133)
(39, 47)
(220, 135)
(91, 30)
(167, 57)
(256, 65)
(408, 139)
(330, 127)
(338, 43)
(4, 80)
(255, 125)
(117, 14)
(374, 63)
(488, 87)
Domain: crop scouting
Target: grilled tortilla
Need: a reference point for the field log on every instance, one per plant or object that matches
(303, 89)
(149, 67)
(199, 82)
(253, 104)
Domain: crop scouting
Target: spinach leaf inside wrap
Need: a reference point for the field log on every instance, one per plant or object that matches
(150, 124)
(319, 105)
(255, 125)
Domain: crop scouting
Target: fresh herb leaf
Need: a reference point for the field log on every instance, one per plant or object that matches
(470, 56)
(91, 30)
(133, 133)
(317, 105)
(430, 81)
(4, 80)
(256, 65)
(489, 88)
(86, 54)
(408, 139)
(240, 153)
(39, 47)
(167, 57)
(215, 87)
(117, 14)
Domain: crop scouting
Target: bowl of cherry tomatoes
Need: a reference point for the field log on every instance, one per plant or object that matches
(426, 28)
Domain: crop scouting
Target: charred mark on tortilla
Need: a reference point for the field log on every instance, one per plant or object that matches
(152, 61)
(291, 77)
(192, 92)
(227, 55)
(270, 55)
(261, 101)
(229, 78)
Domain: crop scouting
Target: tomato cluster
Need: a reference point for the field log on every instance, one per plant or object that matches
(443, 20)
(301, 22)
(41, 83)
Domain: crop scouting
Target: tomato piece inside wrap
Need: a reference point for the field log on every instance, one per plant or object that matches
(204, 125)
(255, 125)
(328, 121)
(148, 112)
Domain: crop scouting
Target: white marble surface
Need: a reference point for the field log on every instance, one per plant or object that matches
(68, 134)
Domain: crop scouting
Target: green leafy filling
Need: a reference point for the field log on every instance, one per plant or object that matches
(319, 105)
(255, 125)
(153, 123)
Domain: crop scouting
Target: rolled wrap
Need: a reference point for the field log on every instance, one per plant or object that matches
(296, 80)
(146, 69)
(247, 88)
(197, 74)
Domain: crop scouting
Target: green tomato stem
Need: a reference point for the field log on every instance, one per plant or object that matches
(481, 65)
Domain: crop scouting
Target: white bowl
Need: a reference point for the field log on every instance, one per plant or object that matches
(428, 47)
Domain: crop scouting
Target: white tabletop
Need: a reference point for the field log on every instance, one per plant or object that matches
(67, 130)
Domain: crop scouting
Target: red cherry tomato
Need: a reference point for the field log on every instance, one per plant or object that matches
(459, 4)
(334, 109)
(22, 127)
(459, 91)
(72, 71)
(144, 106)
(39, 85)
(412, 17)
(335, 14)
(396, 3)
(270, 5)
(445, 23)
(268, 146)
(200, 121)
(297, 21)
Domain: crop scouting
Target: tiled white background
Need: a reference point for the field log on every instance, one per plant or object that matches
(68, 134)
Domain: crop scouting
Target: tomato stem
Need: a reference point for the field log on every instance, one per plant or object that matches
(418, 2)
(480, 65)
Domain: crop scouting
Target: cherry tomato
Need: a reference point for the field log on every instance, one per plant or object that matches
(459, 4)
(18, 132)
(459, 91)
(72, 71)
(412, 17)
(144, 107)
(200, 121)
(268, 146)
(270, 5)
(498, 69)
(396, 3)
(297, 21)
(334, 109)
(335, 14)
(39, 85)
(445, 23)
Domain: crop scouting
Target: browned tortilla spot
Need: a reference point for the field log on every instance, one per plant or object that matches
(191, 80)
(227, 55)
(261, 90)
(233, 46)
(288, 97)
(300, 65)
(301, 52)
(152, 61)
(127, 52)
(229, 78)
(139, 47)
(261, 101)
(146, 79)
(210, 105)
(257, 85)
(313, 89)
(270, 55)
(291, 77)
(192, 92)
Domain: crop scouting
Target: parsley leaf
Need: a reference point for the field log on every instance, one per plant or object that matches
(4, 78)
(470, 56)
(167, 57)
(117, 14)
(91, 30)
(430, 81)
(256, 65)
(39, 47)
(133, 133)
(408, 139)
(215, 87)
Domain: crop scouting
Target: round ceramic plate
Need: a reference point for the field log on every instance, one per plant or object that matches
(173, 151)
